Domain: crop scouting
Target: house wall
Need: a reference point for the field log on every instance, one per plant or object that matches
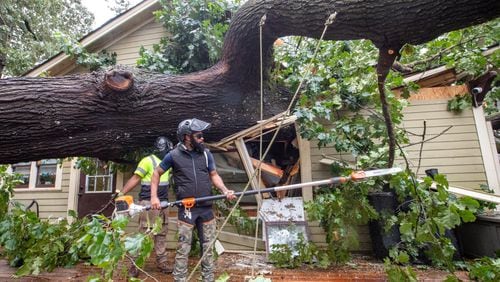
(53, 202)
(127, 49)
(455, 153)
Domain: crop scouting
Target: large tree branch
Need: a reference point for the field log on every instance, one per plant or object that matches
(78, 115)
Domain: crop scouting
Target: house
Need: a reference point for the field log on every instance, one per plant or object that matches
(463, 152)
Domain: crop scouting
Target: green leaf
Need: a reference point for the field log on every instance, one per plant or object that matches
(223, 277)
(24, 270)
(119, 223)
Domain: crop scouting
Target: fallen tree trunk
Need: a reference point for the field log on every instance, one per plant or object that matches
(105, 115)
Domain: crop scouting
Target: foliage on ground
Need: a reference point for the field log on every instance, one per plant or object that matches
(485, 269)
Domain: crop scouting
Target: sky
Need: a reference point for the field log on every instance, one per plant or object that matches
(101, 11)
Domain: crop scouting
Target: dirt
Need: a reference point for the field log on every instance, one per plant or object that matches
(239, 268)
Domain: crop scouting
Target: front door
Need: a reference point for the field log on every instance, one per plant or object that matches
(95, 195)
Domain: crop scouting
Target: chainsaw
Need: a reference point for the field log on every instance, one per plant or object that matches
(125, 204)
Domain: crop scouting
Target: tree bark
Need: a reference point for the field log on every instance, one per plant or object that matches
(77, 116)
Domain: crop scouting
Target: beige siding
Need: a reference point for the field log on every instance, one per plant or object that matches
(52, 203)
(66, 171)
(456, 153)
(127, 49)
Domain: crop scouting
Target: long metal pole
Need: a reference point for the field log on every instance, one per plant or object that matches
(355, 176)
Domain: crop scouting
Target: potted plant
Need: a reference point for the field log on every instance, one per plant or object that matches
(481, 237)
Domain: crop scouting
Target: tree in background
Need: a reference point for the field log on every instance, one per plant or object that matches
(197, 28)
(118, 6)
(28, 31)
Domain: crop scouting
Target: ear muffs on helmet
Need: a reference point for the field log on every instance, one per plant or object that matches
(188, 126)
(162, 145)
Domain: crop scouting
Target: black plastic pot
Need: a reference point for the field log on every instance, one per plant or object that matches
(382, 241)
(481, 237)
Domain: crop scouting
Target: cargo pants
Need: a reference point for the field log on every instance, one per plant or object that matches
(205, 216)
(160, 239)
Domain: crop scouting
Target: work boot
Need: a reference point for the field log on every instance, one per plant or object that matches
(133, 271)
(164, 267)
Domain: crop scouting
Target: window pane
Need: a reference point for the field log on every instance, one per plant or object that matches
(99, 183)
(90, 183)
(23, 169)
(46, 176)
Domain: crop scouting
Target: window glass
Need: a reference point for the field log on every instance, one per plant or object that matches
(46, 173)
(24, 170)
(102, 181)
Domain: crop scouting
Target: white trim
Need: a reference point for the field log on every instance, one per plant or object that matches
(74, 186)
(492, 174)
(44, 189)
(33, 174)
(94, 177)
(119, 181)
(470, 193)
(305, 165)
(59, 176)
(247, 163)
(494, 153)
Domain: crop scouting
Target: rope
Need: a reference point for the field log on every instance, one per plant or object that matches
(328, 22)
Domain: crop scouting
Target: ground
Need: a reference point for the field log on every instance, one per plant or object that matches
(239, 267)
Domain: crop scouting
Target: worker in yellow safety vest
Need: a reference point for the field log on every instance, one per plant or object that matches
(142, 174)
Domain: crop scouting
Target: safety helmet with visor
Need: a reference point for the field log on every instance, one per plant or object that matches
(189, 126)
(162, 146)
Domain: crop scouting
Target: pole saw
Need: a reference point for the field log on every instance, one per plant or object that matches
(125, 204)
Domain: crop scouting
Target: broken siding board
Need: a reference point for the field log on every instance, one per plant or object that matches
(265, 126)
(241, 240)
(247, 163)
(230, 241)
(438, 93)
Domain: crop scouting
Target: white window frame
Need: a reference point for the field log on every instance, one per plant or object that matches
(94, 178)
(33, 178)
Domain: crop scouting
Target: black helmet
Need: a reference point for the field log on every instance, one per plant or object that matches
(189, 126)
(163, 145)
